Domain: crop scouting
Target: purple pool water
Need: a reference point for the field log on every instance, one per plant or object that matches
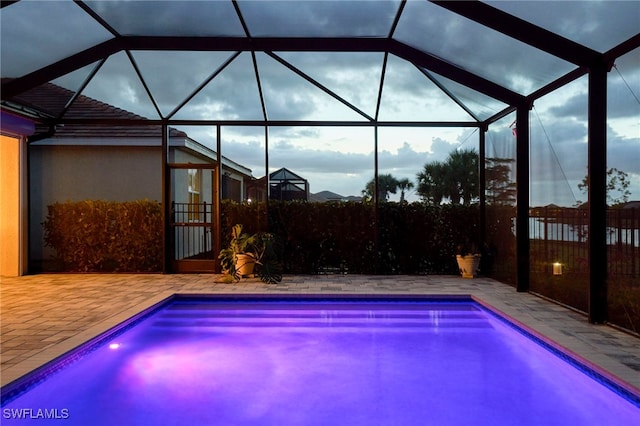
(196, 362)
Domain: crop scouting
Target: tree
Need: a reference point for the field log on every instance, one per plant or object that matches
(386, 184)
(431, 182)
(463, 176)
(404, 185)
(617, 184)
(501, 189)
(455, 179)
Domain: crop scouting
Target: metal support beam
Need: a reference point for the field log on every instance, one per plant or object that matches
(60, 68)
(204, 84)
(522, 198)
(257, 44)
(556, 84)
(482, 183)
(448, 92)
(452, 72)
(217, 244)
(317, 84)
(166, 205)
(376, 201)
(266, 174)
(597, 163)
(522, 30)
(262, 123)
(622, 49)
(260, 44)
(381, 85)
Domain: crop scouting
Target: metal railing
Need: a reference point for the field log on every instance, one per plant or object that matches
(561, 235)
(192, 225)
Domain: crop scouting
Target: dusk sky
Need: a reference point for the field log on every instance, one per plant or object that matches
(341, 159)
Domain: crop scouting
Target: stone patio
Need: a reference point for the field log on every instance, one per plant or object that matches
(44, 316)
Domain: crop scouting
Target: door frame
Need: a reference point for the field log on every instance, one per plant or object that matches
(211, 223)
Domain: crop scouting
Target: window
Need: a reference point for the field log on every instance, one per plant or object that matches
(195, 183)
(231, 188)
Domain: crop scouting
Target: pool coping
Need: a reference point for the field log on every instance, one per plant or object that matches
(590, 362)
(573, 356)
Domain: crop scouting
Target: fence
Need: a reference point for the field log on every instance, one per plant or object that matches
(561, 235)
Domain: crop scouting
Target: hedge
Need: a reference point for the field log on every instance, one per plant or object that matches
(103, 236)
(106, 236)
(352, 237)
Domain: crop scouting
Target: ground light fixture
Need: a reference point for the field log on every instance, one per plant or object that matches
(557, 268)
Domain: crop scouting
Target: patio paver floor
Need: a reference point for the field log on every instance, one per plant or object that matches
(44, 316)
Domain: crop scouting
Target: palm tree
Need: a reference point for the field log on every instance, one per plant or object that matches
(455, 179)
(386, 184)
(431, 182)
(404, 185)
(463, 176)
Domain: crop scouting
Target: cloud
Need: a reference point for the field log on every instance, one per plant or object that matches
(559, 156)
(354, 76)
(170, 17)
(586, 22)
(573, 107)
(621, 102)
(624, 154)
(476, 48)
(57, 30)
(35, 34)
(319, 18)
(284, 153)
(441, 148)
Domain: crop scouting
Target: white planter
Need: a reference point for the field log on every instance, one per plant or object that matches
(468, 265)
(245, 264)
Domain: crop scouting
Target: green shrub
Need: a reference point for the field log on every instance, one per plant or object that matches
(106, 236)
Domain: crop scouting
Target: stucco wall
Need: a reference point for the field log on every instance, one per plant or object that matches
(76, 173)
(12, 207)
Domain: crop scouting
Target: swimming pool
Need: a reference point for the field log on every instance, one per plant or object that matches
(252, 361)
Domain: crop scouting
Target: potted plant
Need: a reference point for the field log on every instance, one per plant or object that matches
(468, 257)
(249, 252)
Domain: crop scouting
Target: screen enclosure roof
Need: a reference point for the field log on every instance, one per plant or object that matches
(391, 62)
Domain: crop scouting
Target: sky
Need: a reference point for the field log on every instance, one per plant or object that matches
(341, 159)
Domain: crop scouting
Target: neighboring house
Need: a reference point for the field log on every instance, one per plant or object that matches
(284, 185)
(113, 162)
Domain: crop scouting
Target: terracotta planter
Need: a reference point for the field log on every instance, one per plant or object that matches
(468, 265)
(245, 265)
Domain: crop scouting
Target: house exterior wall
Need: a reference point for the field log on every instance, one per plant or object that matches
(78, 170)
(76, 173)
(13, 211)
(233, 187)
